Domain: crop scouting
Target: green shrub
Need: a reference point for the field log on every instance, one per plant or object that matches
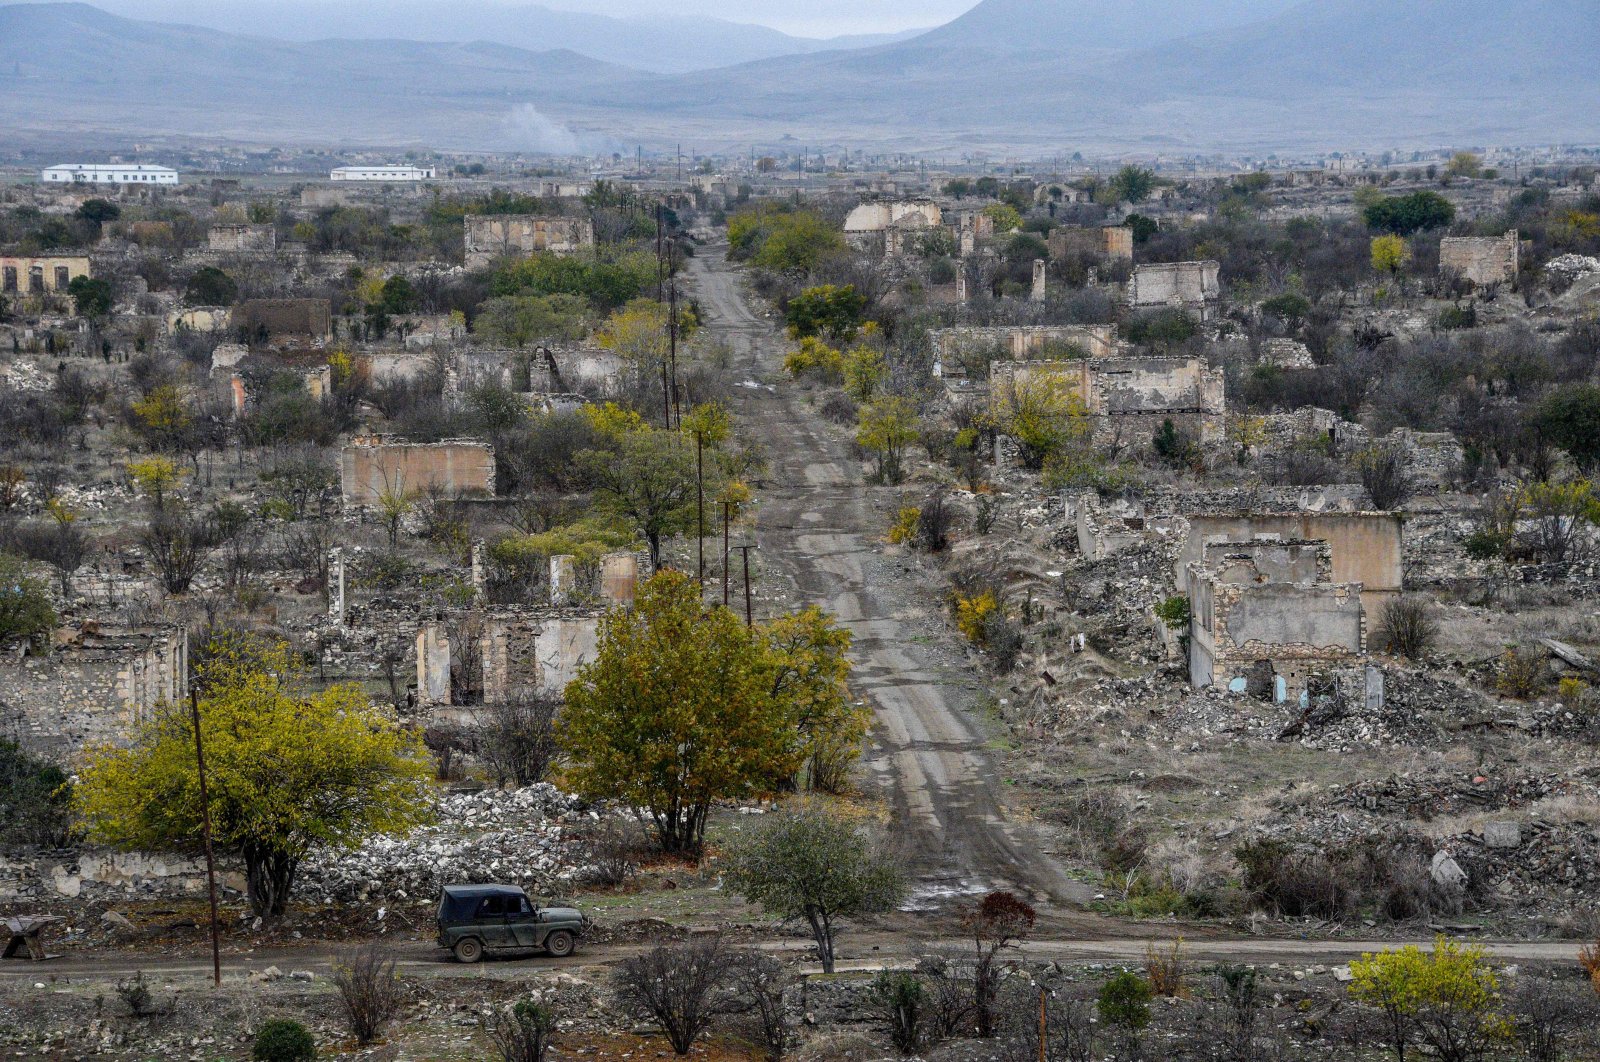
(1125, 1002)
(283, 1040)
(1174, 612)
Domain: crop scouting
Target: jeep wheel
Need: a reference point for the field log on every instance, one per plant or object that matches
(560, 943)
(468, 950)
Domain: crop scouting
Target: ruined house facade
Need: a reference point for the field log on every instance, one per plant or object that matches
(1192, 286)
(1130, 396)
(277, 319)
(92, 686)
(1113, 242)
(1484, 260)
(242, 238)
(493, 236)
(374, 465)
(1266, 616)
(952, 345)
(1364, 548)
(40, 275)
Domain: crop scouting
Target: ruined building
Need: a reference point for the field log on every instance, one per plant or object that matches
(272, 320)
(1114, 242)
(1484, 260)
(93, 684)
(1266, 616)
(242, 238)
(883, 227)
(1129, 397)
(1191, 286)
(38, 275)
(952, 346)
(374, 465)
(492, 236)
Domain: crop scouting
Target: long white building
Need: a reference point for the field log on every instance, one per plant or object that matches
(381, 173)
(132, 173)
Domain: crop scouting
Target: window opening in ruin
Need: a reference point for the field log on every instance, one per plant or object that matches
(63, 278)
(9, 280)
(36, 280)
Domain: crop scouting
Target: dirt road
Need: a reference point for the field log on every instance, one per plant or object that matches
(818, 529)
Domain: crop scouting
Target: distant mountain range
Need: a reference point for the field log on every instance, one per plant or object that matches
(663, 44)
(1010, 75)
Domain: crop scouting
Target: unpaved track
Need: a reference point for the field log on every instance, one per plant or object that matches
(817, 530)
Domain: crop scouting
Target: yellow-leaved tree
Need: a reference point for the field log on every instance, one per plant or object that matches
(806, 654)
(1389, 253)
(1448, 999)
(287, 770)
(676, 712)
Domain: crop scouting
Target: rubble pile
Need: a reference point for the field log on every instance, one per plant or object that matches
(521, 837)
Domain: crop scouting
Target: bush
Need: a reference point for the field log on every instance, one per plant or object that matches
(1457, 318)
(759, 991)
(521, 1033)
(901, 996)
(934, 520)
(612, 853)
(1407, 627)
(516, 737)
(25, 609)
(1124, 1002)
(1383, 473)
(1521, 673)
(283, 1040)
(369, 990)
(681, 987)
(1295, 884)
(972, 613)
(904, 528)
(35, 800)
(1174, 612)
(1167, 973)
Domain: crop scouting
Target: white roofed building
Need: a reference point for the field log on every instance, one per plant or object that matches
(115, 173)
(382, 173)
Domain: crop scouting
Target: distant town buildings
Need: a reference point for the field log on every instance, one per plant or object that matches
(382, 173)
(69, 173)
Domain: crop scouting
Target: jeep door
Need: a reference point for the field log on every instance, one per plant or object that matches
(490, 921)
(525, 929)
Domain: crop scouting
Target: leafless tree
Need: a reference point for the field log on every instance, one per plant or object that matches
(178, 545)
(1407, 627)
(370, 991)
(681, 986)
(760, 986)
(516, 737)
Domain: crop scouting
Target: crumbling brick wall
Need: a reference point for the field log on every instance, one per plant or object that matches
(1484, 260)
(92, 686)
(492, 236)
(371, 466)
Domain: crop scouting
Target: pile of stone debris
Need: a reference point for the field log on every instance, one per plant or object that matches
(526, 837)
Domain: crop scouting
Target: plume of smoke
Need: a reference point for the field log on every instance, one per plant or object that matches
(529, 129)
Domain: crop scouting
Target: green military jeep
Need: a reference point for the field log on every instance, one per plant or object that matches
(475, 918)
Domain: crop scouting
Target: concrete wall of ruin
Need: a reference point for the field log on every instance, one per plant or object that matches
(1114, 242)
(875, 217)
(1364, 548)
(1299, 628)
(1484, 260)
(285, 317)
(367, 471)
(92, 687)
(18, 273)
(1187, 285)
(1129, 396)
(1266, 561)
(242, 238)
(1097, 341)
(492, 236)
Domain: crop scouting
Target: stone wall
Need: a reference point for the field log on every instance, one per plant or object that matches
(371, 466)
(93, 684)
(242, 238)
(104, 876)
(1192, 286)
(1108, 241)
(1020, 341)
(1294, 630)
(1129, 395)
(492, 236)
(310, 318)
(1484, 260)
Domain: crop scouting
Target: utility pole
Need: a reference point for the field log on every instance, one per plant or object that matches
(700, 506)
(672, 330)
(205, 831)
(748, 620)
(666, 387)
(727, 513)
(1043, 1026)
